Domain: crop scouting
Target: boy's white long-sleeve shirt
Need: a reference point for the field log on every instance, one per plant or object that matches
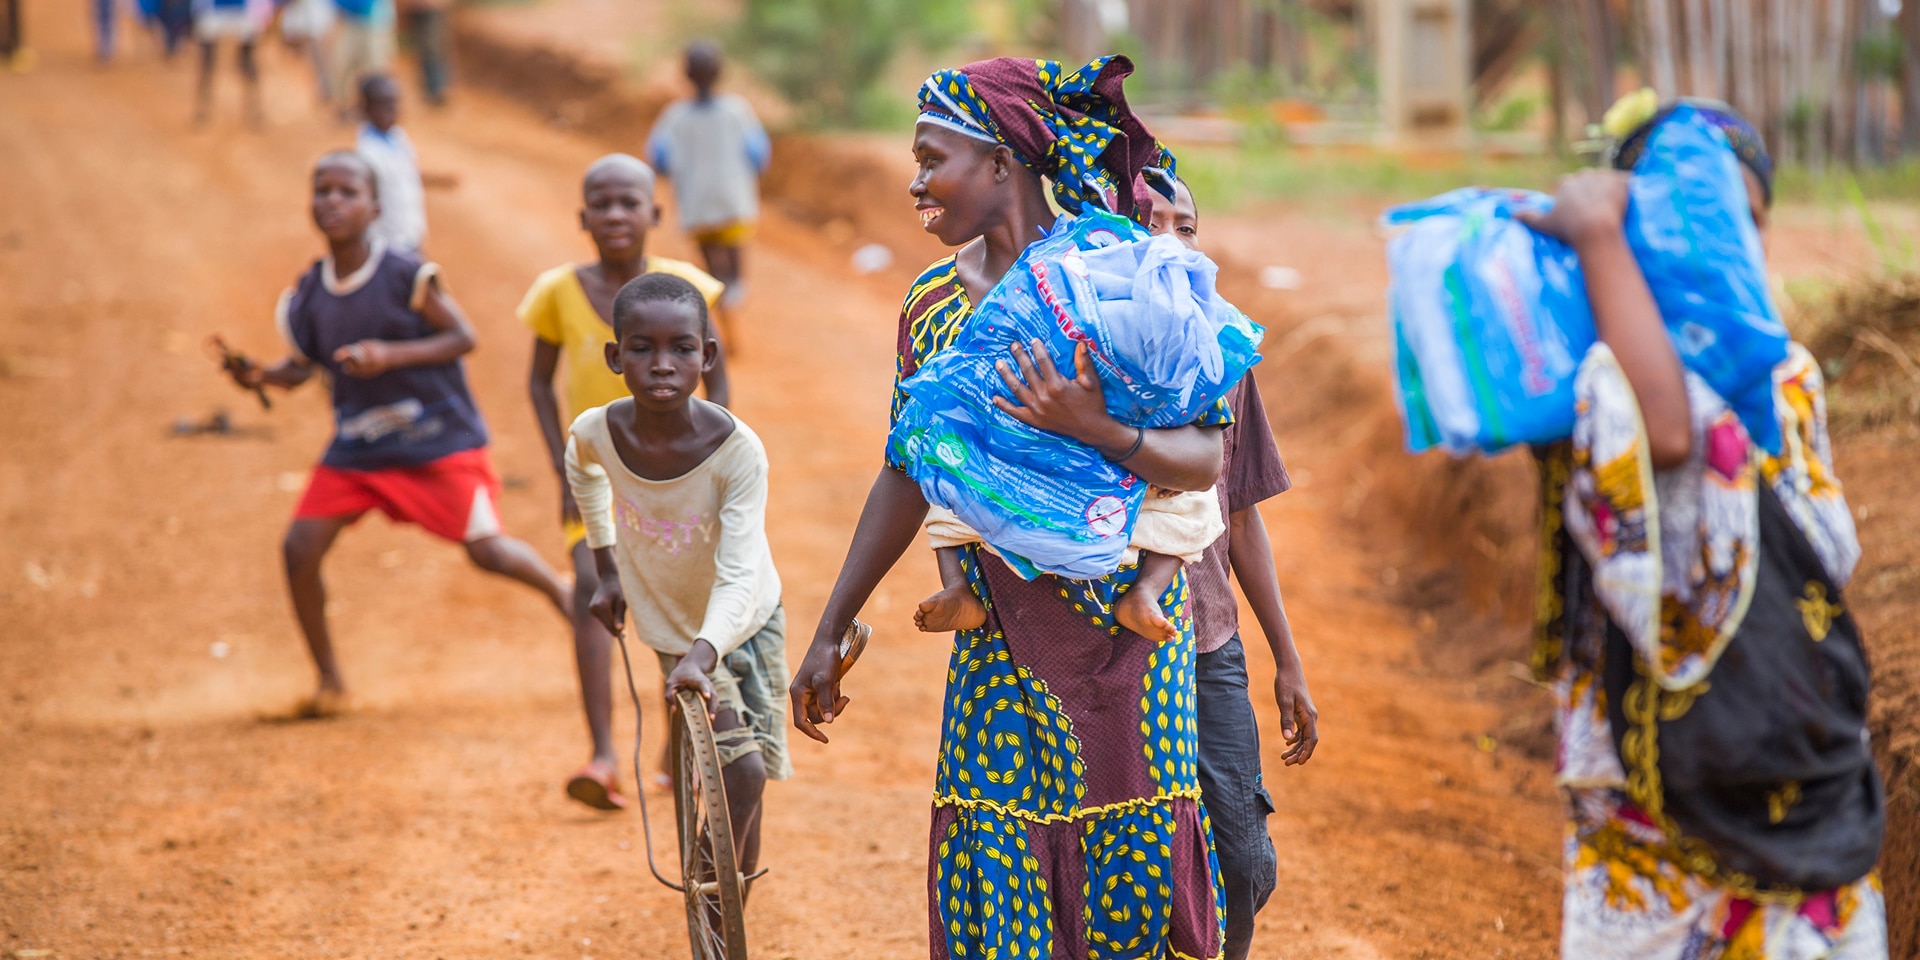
(693, 553)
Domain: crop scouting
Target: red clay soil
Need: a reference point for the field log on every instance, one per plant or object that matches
(152, 805)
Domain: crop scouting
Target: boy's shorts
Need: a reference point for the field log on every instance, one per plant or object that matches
(451, 497)
(752, 682)
(733, 233)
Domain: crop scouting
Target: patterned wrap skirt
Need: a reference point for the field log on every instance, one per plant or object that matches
(1067, 820)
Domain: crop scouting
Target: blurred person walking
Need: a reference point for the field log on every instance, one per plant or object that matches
(427, 27)
(713, 148)
(240, 21)
(362, 45)
(304, 25)
(381, 141)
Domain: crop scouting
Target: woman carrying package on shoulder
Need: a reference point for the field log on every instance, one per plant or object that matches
(1067, 818)
(1710, 684)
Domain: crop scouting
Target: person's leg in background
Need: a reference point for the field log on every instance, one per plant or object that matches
(1230, 783)
(103, 27)
(9, 29)
(429, 29)
(250, 75)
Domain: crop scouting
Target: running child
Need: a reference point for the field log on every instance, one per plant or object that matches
(1229, 744)
(673, 490)
(408, 439)
(714, 150)
(570, 309)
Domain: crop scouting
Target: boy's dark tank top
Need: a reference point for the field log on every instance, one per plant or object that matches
(405, 416)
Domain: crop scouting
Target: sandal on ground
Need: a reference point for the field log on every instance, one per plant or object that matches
(596, 787)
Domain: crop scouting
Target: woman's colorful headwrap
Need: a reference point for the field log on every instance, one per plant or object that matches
(1074, 128)
(1632, 118)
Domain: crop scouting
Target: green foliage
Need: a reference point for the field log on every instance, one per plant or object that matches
(1510, 114)
(1879, 54)
(828, 56)
(1227, 177)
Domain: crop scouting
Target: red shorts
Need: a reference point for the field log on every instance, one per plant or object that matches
(451, 497)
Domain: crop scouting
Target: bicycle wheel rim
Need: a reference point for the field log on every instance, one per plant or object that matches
(716, 927)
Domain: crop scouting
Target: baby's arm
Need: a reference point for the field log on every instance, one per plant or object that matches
(452, 339)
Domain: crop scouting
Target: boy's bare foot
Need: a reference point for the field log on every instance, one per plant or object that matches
(325, 702)
(1139, 610)
(596, 786)
(953, 608)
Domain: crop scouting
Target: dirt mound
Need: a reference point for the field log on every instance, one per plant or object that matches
(1867, 336)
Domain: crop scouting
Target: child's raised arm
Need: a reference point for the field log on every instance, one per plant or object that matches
(452, 340)
(1589, 211)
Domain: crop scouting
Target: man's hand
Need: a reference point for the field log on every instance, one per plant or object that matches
(691, 674)
(1046, 400)
(1299, 721)
(609, 606)
(815, 693)
(365, 359)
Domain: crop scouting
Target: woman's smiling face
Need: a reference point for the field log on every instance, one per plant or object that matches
(960, 184)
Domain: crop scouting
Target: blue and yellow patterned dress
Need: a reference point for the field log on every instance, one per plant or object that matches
(1067, 820)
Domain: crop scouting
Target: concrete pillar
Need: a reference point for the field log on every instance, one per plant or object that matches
(1425, 57)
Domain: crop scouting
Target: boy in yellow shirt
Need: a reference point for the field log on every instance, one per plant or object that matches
(570, 310)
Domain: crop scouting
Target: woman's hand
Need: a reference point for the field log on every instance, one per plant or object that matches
(815, 692)
(1590, 205)
(1048, 401)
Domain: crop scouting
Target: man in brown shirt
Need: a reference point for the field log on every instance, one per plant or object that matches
(1230, 779)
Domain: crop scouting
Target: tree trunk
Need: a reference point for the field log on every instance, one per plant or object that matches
(1841, 79)
(1699, 58)
(1745, 53)
(1659, 48)
(1559, 52)
(1595, 26)
(1780, 25)
(1910, 78)
(1718, 39)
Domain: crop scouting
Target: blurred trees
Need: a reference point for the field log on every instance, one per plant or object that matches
(828, 56)
(1824, 80)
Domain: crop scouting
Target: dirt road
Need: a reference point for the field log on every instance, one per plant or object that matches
(149, 806)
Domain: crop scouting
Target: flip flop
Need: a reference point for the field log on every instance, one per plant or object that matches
(596, 787)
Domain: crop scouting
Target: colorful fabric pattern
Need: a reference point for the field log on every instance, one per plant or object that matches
(1071, 126)
(1067, 819)
(1671, 554)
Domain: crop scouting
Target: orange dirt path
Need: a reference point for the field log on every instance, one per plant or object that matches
(147, 809)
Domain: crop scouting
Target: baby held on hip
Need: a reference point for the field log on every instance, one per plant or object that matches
(1173, 529)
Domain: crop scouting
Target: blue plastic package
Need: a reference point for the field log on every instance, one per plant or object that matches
(1166, 348)
(1691, 230)
(1490, 320)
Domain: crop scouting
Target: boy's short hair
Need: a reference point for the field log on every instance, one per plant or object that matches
(374, 83)
(353, 157)
(658, 288)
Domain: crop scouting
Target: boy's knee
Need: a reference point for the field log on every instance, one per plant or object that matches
(488, 554)
(302, 547)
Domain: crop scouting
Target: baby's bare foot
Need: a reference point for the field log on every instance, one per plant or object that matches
(954, 608)
(1137, 611)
